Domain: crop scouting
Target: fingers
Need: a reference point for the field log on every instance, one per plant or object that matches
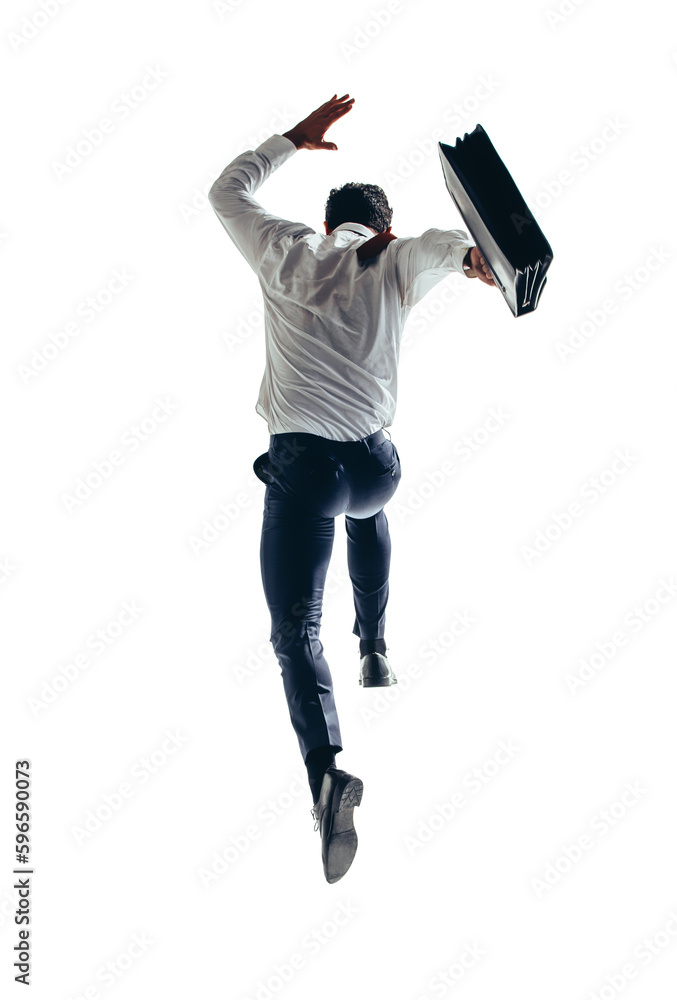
(339, 112)
(330, 112)
(337, 102)
(484, 271)
(340, 107)
(334, 100)
(326, 116)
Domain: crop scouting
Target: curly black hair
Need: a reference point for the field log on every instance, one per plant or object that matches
(355, 202)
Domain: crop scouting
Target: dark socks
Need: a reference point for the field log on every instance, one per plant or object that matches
(317, 762)
(372, 646)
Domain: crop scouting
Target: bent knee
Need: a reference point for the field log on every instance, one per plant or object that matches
(295, 628)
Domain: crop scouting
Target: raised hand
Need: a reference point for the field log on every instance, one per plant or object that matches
(309, 133)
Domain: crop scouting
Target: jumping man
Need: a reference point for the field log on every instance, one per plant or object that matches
(335, 305)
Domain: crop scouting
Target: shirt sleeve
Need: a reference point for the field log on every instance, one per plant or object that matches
(423, 261)
(251, 228)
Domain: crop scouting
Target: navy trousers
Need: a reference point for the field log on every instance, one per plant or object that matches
(310, 481)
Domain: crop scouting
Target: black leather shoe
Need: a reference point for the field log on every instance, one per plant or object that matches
(375, 671)
(333, 813)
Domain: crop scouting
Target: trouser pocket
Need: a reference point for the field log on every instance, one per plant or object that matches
(262, 470)
(386, 455)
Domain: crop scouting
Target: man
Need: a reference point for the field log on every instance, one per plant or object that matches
(335, 306)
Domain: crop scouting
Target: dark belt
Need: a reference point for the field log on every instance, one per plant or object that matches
(371, 440)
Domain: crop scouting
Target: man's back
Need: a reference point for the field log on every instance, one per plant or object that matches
(333, 324)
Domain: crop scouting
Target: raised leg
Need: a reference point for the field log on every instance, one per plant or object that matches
(369, 550)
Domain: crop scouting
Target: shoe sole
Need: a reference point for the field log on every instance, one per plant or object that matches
(342, 845)
(380, 682)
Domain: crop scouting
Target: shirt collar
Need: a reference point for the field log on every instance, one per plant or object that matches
(355, 227)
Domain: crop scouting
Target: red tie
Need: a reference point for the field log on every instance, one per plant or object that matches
(374, 245)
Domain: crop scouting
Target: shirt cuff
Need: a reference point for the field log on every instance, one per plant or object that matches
(458, 255)
(278, 145)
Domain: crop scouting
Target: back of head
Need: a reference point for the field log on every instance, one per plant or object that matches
(363, 203)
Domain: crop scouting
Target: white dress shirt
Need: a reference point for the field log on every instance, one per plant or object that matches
(332, 325)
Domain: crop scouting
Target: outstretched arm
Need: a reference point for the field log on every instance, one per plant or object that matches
(251, 228)
(249, 225)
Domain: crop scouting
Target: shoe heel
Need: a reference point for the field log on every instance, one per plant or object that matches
(342, 843)
(350, 797)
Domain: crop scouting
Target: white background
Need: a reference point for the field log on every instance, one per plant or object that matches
(194, 658)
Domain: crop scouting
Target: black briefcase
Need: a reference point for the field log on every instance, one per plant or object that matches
(497, 217)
